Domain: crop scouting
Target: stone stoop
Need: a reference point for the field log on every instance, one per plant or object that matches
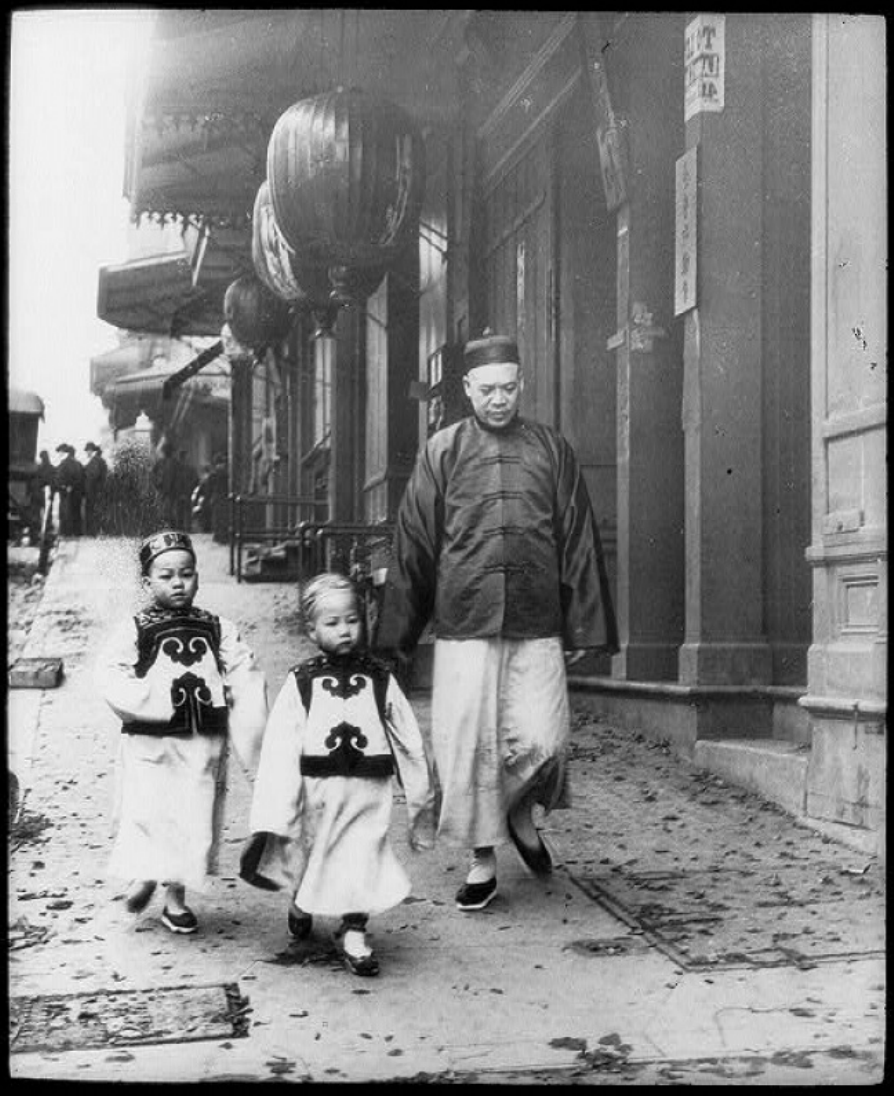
(775, 769)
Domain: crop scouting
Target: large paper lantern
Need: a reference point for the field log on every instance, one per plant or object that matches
(257, 317)
(286, 275)
(346, 174)
(273, 258)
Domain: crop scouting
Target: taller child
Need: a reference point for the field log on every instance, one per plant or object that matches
(185, 687)
(496, 544)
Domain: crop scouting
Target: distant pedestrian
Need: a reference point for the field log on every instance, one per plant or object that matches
(165, 477)
(217, 486)
(187, 689)
(339, 731)
(42, 490)
(69, 479)
(186, 479)
(96, 473)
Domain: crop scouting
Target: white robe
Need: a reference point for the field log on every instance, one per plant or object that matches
(170, 789)
(330, 834)
(500, 729)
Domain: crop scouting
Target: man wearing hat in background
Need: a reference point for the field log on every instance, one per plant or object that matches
(95, 473)
(70, 488)
(497, 546)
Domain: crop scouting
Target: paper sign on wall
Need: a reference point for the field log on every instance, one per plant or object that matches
(704, 64)
(686, 232)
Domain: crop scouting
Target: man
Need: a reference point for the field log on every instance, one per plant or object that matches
(187, 479)
(497, 546)
(42, 491)
(165, 476)
(70, 488)
(95, 474)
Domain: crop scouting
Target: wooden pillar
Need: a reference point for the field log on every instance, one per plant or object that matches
(240, 424)
(391, 438)
(629, 93)
(724, 639)
(347, 362)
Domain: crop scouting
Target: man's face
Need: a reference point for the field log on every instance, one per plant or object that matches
(494, 391)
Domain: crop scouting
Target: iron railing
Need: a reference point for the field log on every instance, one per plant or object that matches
(259, 520)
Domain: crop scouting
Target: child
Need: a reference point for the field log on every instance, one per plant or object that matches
(339, 730)
(184, 685)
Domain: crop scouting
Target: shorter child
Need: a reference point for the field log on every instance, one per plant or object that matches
(185, 687)
(339, 731)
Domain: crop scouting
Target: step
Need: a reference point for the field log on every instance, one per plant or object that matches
(776, 770)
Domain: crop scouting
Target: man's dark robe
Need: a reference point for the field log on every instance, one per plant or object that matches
(496, 537)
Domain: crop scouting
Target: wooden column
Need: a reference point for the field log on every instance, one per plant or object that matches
(240, 424)
(629, 89)
(346, 423)
(724, 641)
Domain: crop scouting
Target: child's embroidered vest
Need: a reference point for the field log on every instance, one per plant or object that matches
(346, 712)
(183, 648)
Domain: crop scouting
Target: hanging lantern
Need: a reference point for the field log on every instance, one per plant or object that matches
(233, 350)
(272, 257)
(281, 270)
(346, 175)
(256, 316)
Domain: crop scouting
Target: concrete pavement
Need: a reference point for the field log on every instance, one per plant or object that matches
(690, 934)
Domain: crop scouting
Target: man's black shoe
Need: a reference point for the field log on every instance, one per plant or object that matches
(475, 896)
(530, 846)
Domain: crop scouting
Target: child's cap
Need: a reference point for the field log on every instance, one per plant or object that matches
(166, 541)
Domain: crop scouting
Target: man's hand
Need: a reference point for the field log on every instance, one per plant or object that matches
(572, 657)
(401, 664)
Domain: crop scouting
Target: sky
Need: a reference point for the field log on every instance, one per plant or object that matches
(67, 213)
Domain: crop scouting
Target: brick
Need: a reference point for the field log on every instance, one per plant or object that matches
(35, 673)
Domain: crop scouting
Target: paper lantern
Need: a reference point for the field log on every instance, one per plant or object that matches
(257, 317)
(346, 176)
(281, 269)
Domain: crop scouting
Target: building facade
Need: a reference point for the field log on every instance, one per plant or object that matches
(676, 216)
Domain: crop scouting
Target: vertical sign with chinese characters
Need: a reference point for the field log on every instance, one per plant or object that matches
(686, 232)
(608, 139)
(704, 63)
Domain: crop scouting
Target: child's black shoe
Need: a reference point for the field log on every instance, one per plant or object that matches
(362, 962)
(179, 922)
(300, 923)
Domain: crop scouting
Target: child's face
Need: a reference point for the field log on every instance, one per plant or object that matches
(336, 623)
(173, 580)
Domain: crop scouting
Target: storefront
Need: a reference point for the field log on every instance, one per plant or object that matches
(655, 205)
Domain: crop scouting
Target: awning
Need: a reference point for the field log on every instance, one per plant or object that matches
(152, 390)
(217, 81)
(23, 402)
(146, 294)
(166, 295)
(193, 367)
(134, 354)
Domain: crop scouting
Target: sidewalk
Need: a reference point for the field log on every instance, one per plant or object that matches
(690, 934)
